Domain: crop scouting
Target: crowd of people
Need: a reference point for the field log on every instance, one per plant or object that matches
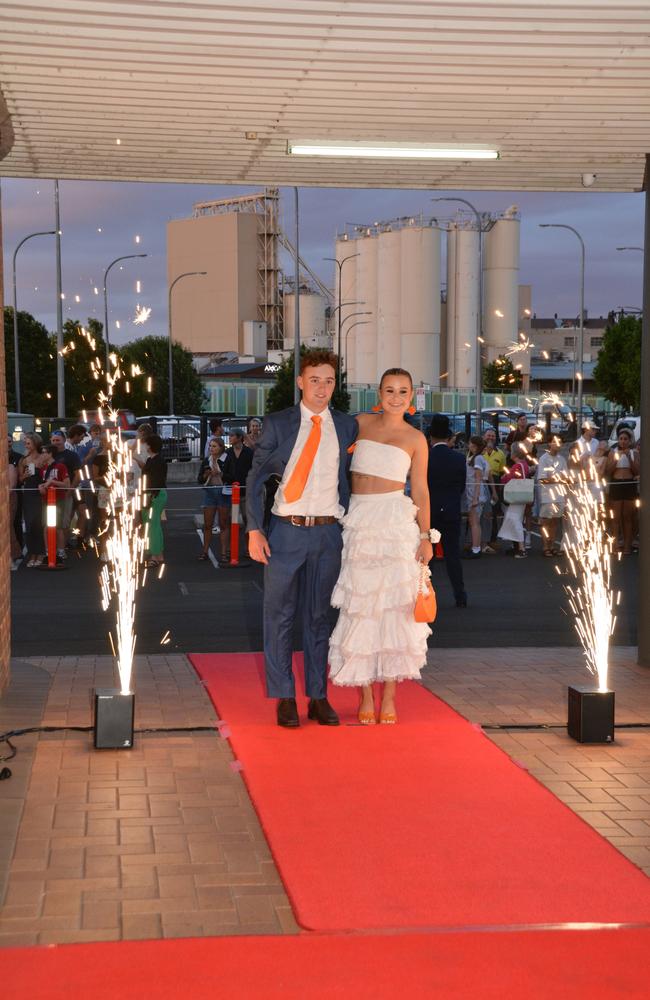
(471, 492)
(513, 490)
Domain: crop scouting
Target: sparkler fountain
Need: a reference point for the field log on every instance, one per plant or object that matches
(124, 547)
(593, 603)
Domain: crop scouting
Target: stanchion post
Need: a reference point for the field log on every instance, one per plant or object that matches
(234, 525)
(51, 527)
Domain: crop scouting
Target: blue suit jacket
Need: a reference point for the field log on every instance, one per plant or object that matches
(279, 434)
(446, 476)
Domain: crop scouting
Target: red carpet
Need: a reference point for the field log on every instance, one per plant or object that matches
(422, 825)
(597, 965)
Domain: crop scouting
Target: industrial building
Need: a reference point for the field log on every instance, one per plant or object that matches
(390, 272)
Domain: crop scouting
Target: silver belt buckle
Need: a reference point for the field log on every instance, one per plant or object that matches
(294, 522)
(309, 521)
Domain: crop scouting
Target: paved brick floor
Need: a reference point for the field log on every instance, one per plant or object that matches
(163, 840)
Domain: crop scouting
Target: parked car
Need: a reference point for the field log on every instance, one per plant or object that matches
(630, 423)
(563, 422)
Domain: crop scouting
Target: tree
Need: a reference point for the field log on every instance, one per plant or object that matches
(281, 394)
(502, 376)
(37, 358)
(81, 388)
(151, 354)
(618, 370)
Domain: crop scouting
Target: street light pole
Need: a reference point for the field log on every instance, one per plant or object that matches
(47, 232)
(60, 366)
(581, 338)
(479, 335)
(339, 264)
(128, 256)
(359, 322)
(186, 274)
(365, 312)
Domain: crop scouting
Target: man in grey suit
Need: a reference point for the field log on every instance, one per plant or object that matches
(305, 448)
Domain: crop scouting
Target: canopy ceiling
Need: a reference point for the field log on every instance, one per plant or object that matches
(561, 89)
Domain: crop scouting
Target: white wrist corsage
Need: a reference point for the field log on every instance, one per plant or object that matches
(432, 535)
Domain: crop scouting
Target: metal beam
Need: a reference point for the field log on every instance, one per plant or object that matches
(643, 619)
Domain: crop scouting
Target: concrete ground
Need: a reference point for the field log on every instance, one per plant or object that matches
(163, 841)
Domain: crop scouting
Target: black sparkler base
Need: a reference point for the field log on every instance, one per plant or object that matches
(591, 715)
(114, 713)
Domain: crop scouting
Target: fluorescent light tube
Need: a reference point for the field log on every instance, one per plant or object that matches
(392, 150)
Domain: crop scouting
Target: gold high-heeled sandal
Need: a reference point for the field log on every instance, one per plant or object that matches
(387, 718)
(367, 718)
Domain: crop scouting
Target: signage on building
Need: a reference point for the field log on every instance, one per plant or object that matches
(420, 399)
(270, 367)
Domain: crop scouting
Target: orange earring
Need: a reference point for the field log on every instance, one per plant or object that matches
(376, 409)
(411, 410)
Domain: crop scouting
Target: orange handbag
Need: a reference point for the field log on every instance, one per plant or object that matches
(426, 607)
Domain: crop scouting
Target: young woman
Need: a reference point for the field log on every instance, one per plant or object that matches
(54, 473)
(512, 529)
(29, 476)
(621, 470)
(155, 471)
(385, 539)
(476, 491)
(214, 500)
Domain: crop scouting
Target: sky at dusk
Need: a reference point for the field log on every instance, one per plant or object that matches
(100, 221)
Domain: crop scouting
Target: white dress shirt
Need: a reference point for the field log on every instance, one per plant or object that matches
(320, 496)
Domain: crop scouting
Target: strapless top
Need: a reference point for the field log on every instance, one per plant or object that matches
(372, 458)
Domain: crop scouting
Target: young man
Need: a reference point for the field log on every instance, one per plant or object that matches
(447, 475)
(305, 447)
(68, 457)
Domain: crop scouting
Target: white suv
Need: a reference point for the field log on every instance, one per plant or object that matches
(631, 423)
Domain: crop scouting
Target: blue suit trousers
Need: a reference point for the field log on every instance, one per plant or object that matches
(303, 568)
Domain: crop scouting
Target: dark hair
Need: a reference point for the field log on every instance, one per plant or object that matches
(145, 429)
(95, 427)
(76, 429)
(51, 450)
(316, 357)
(396, 371)
(101, 463)
(215, 423)
(627, 431)
(440, 428)
(154, 443)
(479, 443)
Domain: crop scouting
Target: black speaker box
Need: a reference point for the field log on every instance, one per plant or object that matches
(591, 715)
(114, 713)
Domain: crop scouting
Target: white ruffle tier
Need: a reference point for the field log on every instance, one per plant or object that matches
(376, 637)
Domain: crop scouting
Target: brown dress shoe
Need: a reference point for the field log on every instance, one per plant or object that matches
(288, 713)
(321, 710)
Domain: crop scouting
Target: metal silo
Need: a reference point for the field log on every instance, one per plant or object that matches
(363, 339)
(500, 283)
(420, 303)
(388, 301)
(462, 305)
(312, 319)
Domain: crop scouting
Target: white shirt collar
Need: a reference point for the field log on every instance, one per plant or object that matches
(307, 414)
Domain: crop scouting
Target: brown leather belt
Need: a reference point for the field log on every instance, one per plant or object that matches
(306, 520)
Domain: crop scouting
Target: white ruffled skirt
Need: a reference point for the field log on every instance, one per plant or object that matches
(376, 637)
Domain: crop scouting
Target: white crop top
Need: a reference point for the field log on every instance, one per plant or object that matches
(372, 458)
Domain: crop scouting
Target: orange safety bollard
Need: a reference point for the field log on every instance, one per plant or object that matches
(234, 525)
(51, 527)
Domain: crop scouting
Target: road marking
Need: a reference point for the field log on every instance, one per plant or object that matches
(183, 589)
(211, 555)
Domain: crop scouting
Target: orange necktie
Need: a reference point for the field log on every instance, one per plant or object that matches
(298, 479)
